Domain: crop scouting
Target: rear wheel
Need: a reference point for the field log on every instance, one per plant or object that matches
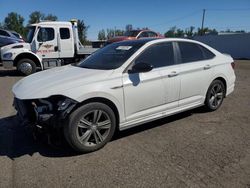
(90, 127)
(26, 66)
(215, 95)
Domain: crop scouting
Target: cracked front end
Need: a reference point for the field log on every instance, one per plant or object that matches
(48, 113)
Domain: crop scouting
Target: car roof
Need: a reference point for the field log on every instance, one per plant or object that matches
(141, 30)
(154, 40)
(10, 32)
(149, 41)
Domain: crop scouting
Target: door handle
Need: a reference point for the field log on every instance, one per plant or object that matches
(207, 67)
(56, 48)
(172, 74)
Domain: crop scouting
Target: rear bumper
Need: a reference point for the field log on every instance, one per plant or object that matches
(230, 90)
(231, 85)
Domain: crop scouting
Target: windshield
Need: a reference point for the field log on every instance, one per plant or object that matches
(132, 33)
(30, 33)
(111, 56)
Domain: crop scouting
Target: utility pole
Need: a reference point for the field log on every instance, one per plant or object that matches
(115, 32)
(202, 23)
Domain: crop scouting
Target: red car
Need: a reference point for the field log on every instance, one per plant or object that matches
(135, 34)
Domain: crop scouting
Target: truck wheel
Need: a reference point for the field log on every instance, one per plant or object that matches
(26, 66)
(90, 127)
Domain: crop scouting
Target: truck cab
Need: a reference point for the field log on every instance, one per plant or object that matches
(49, 44)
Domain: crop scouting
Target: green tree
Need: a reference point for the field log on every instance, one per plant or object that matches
(240, 31)
(102, 35)
(190, 31)
(128, 27)
(14, 22)
(51, 17)
(213, 32)
(119, 32)
(171, 32)
(110, 33)
(203, 31)
(82, 31)
(207, 31)
(36, 17)
(179, 33)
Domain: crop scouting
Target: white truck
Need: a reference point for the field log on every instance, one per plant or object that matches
(49, 44)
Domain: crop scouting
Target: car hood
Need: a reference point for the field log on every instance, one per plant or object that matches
(22, 45)
(57, 81)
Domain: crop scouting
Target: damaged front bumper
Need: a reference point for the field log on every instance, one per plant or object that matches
(46, 114)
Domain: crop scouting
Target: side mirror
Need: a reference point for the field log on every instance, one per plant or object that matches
(141, 67)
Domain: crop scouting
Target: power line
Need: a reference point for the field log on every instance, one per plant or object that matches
(176, 19)
(232, 9)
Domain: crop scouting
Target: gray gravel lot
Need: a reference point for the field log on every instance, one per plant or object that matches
(191, 149)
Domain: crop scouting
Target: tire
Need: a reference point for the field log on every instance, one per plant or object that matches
(215, 95)
(26, 66)
(90, 127)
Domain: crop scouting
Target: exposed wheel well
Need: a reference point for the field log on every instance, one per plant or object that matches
(27, 56)
(104, 101)
(223, 81)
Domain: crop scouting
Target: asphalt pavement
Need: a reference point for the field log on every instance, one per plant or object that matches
(191, 149)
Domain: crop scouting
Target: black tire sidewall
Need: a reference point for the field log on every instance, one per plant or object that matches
(71, 126)
(207, 104)
(31, 62)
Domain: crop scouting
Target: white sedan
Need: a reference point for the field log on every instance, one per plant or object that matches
(123, 85)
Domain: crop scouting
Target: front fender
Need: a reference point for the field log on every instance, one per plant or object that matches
(29, 54)
(19, 52)
(116, 101)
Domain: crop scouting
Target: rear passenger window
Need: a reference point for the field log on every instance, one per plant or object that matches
(159, 55)
(207, 53)
(190, 52)
(64, 33)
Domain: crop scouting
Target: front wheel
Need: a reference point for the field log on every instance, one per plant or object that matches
(26, 66)
(215, 95)
(90, 127)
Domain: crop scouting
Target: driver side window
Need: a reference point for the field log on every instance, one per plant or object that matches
(45, 34)
(158, 55)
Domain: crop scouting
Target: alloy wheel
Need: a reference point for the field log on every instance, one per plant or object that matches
(93, 128)
(216, 95)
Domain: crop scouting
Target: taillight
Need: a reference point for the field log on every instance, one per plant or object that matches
(233, 65)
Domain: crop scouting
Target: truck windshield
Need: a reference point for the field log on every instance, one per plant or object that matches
(111, 56)
(30, 34)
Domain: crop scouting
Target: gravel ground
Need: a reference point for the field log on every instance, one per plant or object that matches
(191, 149)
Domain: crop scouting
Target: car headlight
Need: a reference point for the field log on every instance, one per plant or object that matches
(7, 55)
